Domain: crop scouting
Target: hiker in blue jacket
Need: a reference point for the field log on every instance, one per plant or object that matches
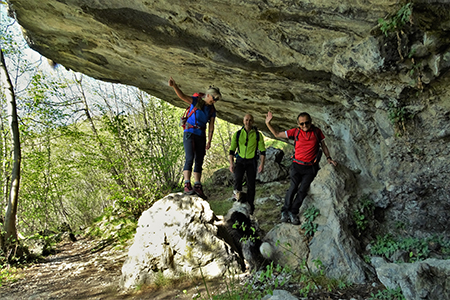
(201, 112)
(308, 146)
(245, 144)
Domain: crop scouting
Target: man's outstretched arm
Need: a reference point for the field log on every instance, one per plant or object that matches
(277, 134)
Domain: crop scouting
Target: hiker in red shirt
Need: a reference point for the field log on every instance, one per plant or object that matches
(201, 112)
(308, 146)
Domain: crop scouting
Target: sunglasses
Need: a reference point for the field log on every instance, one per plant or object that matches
(304, 123)
(211, 87)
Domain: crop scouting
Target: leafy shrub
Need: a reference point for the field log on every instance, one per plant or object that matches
(8, 273)
(417, 249)
(397, 21)
(388, 294)
(363, 214)
(310, 215)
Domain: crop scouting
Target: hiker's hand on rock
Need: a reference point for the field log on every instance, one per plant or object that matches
(171, 81)
(332, 162)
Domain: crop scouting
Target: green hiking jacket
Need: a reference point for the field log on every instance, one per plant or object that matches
(247, 145)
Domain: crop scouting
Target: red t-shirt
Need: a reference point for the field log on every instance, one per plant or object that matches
(306, 147)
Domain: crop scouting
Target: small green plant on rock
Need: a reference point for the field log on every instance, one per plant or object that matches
(271, 280)
(251, 230)
(396, 24)
(313, 281)
(363, 214)
(397, 21)
(388, 294)
(310, 215)
(309, 278)
(398, 115)
(259, 284)
(416, 249)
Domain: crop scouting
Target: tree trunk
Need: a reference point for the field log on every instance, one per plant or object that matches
(10, 230)
(4, 173)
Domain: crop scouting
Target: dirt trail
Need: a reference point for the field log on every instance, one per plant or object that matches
(79, 271)
(74, 272)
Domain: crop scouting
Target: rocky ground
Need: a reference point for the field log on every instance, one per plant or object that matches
(88, 269)
(80, 271)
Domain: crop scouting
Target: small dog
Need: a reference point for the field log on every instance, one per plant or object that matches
(245, 232)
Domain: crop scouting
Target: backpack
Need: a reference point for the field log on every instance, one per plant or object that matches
(319, 152)
(238, 134)
(187, 114)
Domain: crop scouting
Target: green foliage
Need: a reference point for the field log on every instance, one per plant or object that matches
(384, 246)
(388, 294)
(360, 219)
(251, 231)
(113, 229)
(161, 280)
(8, 273)
(397, 114)
(129, 153)
(271, 281)
(310, 228)
(310, 215)
(417, 249)
(308, 280)
(397, 21)
(313, 281)
(148, 140)
(72, 173)
(363, 214)
(260, 284)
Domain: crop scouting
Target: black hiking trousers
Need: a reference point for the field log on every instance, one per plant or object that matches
(246, 166)
(301, 177)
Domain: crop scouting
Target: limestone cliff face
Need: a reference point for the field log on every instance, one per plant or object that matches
(327, 57)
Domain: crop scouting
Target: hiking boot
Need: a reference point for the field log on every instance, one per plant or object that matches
(199, 191)
(284, 217)
(188, 190)
(294, 219)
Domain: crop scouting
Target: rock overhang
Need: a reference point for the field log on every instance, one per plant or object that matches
(327, 57)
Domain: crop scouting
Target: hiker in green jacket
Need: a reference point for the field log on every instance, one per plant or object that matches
(244, 146)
